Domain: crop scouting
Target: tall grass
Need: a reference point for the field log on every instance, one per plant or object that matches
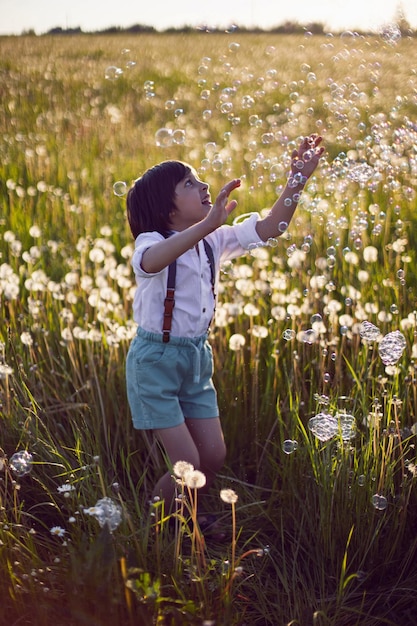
(322, 532)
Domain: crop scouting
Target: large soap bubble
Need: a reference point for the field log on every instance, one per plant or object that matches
(107, 513)
(368, 331)
(391, 347)
(21, 463)
(324, 426)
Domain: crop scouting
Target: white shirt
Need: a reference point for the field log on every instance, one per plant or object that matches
(194, 300)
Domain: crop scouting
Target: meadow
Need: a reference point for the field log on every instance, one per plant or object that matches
(315, 335)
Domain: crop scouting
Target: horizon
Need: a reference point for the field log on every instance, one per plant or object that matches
(22, 16)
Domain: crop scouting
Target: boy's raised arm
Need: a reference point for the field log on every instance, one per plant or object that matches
(304, 162)
(163, 253)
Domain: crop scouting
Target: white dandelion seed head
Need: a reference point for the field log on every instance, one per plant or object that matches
(195, 479)
(229, 496)
(236, 342)
(181, 468)
(26, 338)
(370, 254)
(251, 310)
(259, 331)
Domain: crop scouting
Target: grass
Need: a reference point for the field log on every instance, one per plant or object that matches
(307, 544)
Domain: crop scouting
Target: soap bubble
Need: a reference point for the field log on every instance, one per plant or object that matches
(21, 463)
(316, 318)
(163, 137)
(107, 513)
(324, 426)
(247, 102)
(178, 136)
(119, 188)
(288, 334)
(217, 164)
(361, 173)
(226, 107)
(289, 446)
(272, 242)
(391, 347)
(346, 425)
(268, 138)
(369, 331)
(113, 72)
(309, 336)
(379, 502)
(390, 33)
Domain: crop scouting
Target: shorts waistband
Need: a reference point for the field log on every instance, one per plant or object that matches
(195, 343)
(176, 341)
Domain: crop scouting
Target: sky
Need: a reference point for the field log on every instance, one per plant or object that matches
(17, 16)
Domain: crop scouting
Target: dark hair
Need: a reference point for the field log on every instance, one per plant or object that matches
(151, 199)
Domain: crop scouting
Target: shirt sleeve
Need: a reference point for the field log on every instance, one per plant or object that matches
(142, 243)
(234, 241)
(246, 230)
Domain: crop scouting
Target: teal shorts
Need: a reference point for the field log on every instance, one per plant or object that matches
(168, 382)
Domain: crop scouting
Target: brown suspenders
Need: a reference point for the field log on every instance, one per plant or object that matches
(169, 301)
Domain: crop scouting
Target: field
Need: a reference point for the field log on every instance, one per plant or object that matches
(315, 336)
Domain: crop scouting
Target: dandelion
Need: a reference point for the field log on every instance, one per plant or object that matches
(229, 496)
(181, 468)
(195, 479)
(26, 339)
(97, 255)
(370, 254)
(363, 276)
(57, 531)
(236, 342)
(259, 331)
(66, 335)
(35, 231)
(351, 258)
(251, 310)
(5, 371)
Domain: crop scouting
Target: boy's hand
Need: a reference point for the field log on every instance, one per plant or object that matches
(306, 158)
(221, 208)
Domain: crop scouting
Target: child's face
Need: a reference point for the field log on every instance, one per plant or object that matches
(192, 202)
